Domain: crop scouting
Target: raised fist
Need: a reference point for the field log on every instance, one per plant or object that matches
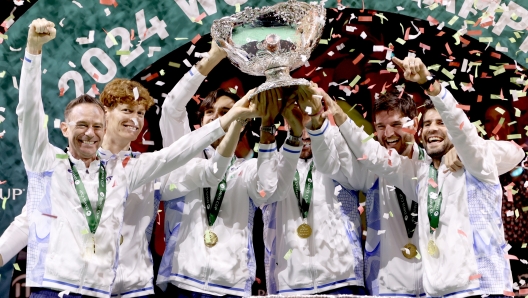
(40, 32)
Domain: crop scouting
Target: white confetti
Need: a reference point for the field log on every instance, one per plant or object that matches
(331, 53)
(86, 40)
(255, 134)
(350, 28)
(15, 50)
(65, 292)
(363, 35)
(77, 3)
(304, 58)
(44, 71)
(60, 23)
(381, 232)
(160, 83)
(18, 2)
(390, 187)
(107, 11)
(386, 215)
(190, 50)
(308, 110)
(72, 64)
(146, 142)
(201, 55)
(15, 84)
(56, 123)
(157, 185)
(187, 63)
(2, 118)
(2, 133)
(2, 109)
(509, 213)
(399, 8)
(136, 93)
(406, 250)
(135, 121)
(152, 50)
(340, 46)
(215, 168)
(524, 262)
(337, 189)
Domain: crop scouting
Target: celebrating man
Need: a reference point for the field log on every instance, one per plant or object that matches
(71, 246)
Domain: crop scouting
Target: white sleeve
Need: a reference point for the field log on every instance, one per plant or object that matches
(333, 157)
(274, 174)
(150, 166)
(473, 151)
(396, 169)
(507, 155)
(174, 122)
(37, 152)
(15, 237)
(197, 173)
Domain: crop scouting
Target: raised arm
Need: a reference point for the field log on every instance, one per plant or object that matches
(150, 166)
(276, 171)
(174, 122)
(476, 156)
(37, 152)
(14, 238)
(331, 153)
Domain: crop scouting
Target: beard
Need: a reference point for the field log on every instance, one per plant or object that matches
(439, 152)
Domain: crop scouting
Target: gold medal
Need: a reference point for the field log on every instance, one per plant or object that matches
(210, 238)
(432, 249)
(304, 230)
(411, 249)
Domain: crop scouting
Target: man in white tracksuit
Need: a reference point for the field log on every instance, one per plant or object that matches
(391, 263)
(461, 242)
(64, 251)
(125, 119)
(313, 235)
(208, 252)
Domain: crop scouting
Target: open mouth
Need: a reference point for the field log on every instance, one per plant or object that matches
(131, 127)
(433, 140)
(392, 141)
(87, 142)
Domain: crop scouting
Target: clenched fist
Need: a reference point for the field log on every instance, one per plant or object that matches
(41, 31)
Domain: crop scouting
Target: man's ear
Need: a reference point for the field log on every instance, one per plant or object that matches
(64, 128)
(416, 123)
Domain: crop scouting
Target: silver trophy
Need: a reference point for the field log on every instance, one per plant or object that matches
(271, 41)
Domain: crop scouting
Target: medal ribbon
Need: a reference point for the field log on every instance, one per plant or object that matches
(409, 220)
(92, 218)
(434, 201)
(212, 209)
(304, 204)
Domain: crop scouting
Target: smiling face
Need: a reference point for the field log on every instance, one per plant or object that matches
(434, 135)
(389, 131)
(85, 130)
(125, 121)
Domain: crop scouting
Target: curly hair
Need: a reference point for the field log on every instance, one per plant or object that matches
(122, 91)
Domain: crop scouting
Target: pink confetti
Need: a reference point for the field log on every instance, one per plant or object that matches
(463, 107)
(196, 38)
(425, 47)
(125, 161)
(432, 20)
(361, 209)
(358, 58)
(262, 193)
(331, 119)
(508, 293)
(464, 234)
(3, 182)
(432, 183)
(200, 17)
(510, 257)
(363, 158)
(475, 276)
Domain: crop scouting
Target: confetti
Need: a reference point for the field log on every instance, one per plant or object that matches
(15, 265)
(368, 138)
(15, 50)
(84, 231)
(365, 19)
(196, 39)
(262, 193)
(288, 254)
(15, 84)
(475, 276)
(432, 183)
(77, 3)
(172, 187)
(361, 209)
(107, 11)
(187, 63)
(174, 64)
(152, 50)
(355, 80)
(4, 200)
(72, 64)
(122, 53)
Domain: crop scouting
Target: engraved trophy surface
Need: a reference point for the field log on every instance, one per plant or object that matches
(271, 41)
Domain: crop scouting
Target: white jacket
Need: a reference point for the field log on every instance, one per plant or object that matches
(470, 237)
(332, 256)
(229, 267)
(134, 276)
(60, 252)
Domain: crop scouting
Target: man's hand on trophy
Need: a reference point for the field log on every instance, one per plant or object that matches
(294, 116)
(40, 32)
(269, 105)
(310, 105)
(247, 106)
(216, 51)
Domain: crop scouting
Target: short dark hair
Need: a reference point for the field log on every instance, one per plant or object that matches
(428, 105)
(392, 101)
(85, 98)
(211, 98)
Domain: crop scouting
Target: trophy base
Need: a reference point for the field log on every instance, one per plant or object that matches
(279, 77)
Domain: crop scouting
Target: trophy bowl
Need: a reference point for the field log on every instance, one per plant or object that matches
(271, 41)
